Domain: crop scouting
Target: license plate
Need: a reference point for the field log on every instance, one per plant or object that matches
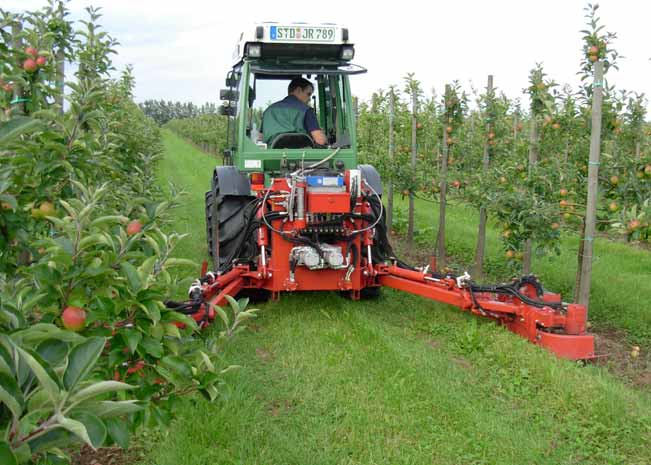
(302, 34)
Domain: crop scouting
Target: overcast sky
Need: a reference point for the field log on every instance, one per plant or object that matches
(181, 50)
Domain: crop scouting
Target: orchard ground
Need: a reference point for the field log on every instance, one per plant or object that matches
(401, 379)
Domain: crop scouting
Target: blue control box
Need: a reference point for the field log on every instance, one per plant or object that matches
(325, 181)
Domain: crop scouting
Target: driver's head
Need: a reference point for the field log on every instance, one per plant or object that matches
(301, 88)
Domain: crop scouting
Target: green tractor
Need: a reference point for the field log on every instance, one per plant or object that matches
(266, 60)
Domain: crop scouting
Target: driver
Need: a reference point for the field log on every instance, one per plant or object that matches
(292, 114)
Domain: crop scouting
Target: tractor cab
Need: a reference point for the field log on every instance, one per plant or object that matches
(266, 59)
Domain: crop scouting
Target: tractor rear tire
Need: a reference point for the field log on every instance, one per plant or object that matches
(225, 224)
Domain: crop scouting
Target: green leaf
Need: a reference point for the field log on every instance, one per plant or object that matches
(7, 456)
(222, 314)
(81, 361)
(75, 427)
(10, 317)
(243, 316)
(172, 262)
(97, 389)
(94, 426)
(152, 346)
(54, 351)
(157, 331)
(15, 127)
(111, 408)
(54, 438)
(23, 453)
(32, 301)
(210, 393)
(43, 372)
(4, 366)
(178, 365)
(147, 268)
(153, 244)
(38, 400)
(42, 331)
(152, 309)
(172, 345)
(242, 303)
(132, 338)
(93, 239)
(235, 306)
(206, 360)
(110, 219)
(172, 330)
(119, 431)
(187, 320)
(132, 275)
(11, 395)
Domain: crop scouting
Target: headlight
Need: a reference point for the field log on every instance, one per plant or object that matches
(347, 53)
(254, 50)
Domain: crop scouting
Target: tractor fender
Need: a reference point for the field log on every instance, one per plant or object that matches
(371, 176)
(231, 181)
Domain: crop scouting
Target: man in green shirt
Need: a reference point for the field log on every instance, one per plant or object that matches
(292, 114)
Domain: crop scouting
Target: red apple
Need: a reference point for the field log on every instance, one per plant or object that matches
(634, 225)
(31, 51)
(41, 61)
(30, 65)
(74, 318)
(134, 227)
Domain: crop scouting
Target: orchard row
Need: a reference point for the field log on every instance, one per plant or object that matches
(526, 167)
(88, 350)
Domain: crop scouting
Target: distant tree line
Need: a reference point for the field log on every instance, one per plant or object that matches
(162, 111)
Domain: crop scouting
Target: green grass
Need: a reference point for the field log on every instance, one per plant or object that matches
(400, 380)
(191, 172)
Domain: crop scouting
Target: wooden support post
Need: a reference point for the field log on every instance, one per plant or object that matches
(533, 159)
(593, 184)
(414, 148)
(440, 239)
(392, 150)
(481, 234)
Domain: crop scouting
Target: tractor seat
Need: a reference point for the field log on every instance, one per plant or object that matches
(292, 140)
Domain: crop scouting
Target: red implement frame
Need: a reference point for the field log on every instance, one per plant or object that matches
(541, 319)
(561, 332)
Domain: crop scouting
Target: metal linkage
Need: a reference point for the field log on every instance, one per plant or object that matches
(561, 328)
